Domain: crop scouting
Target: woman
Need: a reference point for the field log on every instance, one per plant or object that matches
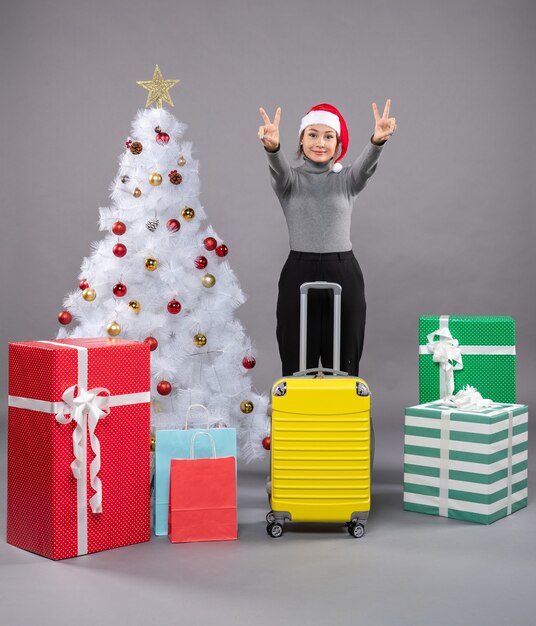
(317, 198)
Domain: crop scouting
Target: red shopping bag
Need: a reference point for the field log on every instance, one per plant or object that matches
(202, 497)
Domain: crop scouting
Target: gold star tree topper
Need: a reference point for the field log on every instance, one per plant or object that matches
(158, 89)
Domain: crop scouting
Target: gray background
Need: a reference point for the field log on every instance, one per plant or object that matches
(445, 226)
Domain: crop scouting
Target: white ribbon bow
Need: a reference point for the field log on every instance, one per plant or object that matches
(447, 353)
(468, 399)
(95, 406)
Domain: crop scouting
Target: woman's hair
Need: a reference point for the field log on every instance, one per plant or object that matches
(299, 151)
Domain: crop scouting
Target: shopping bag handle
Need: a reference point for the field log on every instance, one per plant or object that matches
(200, 434)
(188, 414)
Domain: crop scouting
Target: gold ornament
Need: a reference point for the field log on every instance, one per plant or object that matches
(208, 280)
(200, 340)
(153, 443)
(188, 213)
(113, 329)
(246, 406)
(181, 161)
(89, 294)
(158, 89)
(155, 179)
(134, 306)
(151, 264)
(137, 192)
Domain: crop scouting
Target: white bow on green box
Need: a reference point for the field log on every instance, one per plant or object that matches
(455, 351)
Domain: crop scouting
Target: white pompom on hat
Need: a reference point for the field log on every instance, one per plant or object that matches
(330, 116)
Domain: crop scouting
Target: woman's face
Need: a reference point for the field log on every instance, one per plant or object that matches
(319, 143)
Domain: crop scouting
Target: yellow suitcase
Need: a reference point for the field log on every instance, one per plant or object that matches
(320, 440)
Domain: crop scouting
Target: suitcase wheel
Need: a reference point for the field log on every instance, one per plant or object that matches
(356, 530)
(274, 530)
(270, 517)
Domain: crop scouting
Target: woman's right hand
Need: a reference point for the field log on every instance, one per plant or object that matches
(269, 132)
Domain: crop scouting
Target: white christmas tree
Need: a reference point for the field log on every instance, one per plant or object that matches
(161, 275)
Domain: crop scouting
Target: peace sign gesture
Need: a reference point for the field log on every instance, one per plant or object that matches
(269, 133)
(385, 125)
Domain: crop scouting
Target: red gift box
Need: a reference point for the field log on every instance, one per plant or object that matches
(78, 445)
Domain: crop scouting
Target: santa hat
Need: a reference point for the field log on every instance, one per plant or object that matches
(330, 116)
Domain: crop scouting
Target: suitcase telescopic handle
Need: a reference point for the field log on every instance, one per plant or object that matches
(304, 292)
(320, 370)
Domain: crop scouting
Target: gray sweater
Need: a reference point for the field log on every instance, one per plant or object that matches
(317, 203)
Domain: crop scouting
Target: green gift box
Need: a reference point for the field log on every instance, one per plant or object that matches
(455, 351)
(468, 465)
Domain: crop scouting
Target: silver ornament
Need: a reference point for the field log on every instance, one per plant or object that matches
(152, 224)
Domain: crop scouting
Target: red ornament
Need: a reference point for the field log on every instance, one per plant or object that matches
(64, 317)
(164, 388)
(174, 307)
(119, 290)
(222, 250)
(266, 443)
(210, 243)
(83, 284)
(153, 343)
(119, 249)
(249, 362)
(201, 262)
(162, 138)
(173, 225)
(119, 228)
(128, 143)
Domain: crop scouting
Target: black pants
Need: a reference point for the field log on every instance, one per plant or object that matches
(336, 267)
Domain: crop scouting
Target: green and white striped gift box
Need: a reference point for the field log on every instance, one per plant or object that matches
(468, 465)
(487, 351)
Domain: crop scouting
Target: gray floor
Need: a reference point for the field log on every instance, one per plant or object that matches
(408, 569)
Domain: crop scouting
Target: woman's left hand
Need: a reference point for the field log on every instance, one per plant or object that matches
(385, 125)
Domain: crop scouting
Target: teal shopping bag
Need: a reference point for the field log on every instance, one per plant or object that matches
(175, 444)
